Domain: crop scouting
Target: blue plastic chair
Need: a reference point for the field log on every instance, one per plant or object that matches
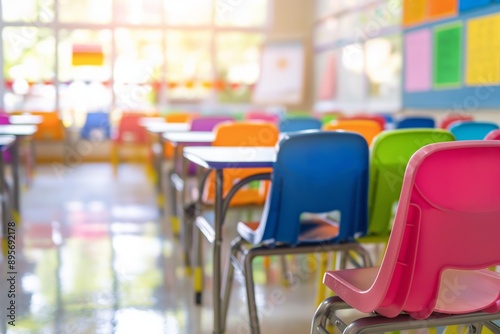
(314, 173)
(415, 122)
(96, 121)
(294, 124)
(472, 130)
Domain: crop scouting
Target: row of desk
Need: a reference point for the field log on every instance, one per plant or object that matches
(195, 147)
(22, 128)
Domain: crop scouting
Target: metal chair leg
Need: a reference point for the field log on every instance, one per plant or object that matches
(228, 279)
(250, 289)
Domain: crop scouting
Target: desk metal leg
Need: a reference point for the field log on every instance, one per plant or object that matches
(15, 173)
(5, 216)
(174, 218)
(219, 216)
(187, 217)
(160, 200)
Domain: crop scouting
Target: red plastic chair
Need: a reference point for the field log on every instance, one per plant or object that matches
(493, 135)
(445, 235)
(129, 132)
(449, 119)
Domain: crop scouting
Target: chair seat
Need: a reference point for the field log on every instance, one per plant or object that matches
(359, 280)
(460, 291)
(311, 231)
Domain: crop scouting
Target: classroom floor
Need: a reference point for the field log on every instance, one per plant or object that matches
(94, 256)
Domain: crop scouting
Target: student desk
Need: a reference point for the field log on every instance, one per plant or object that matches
(28, 120)
(158, 129)
(5, 143)
(25, 119)
(147, 121)
(19, 132)
(179, 140)
(218, 159)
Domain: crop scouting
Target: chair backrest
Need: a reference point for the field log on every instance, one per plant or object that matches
(377, 118)
(294, 124)
(390, 154)
(493, 135)
(208, 123)
(51, 127)
(328, 116)
(262, 116)
(4, 119)
(367, 128)
(451, 118)
(317, 172)
(472, 130)
(246, 133)
(415, 122)
(179, 117)
(130, 131)
(96, 121)
(448, 218)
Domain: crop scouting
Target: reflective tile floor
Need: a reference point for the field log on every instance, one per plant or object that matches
(93, 255)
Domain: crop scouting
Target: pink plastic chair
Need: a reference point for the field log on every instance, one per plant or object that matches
(262, 116)
(493, 135)
(445, 234)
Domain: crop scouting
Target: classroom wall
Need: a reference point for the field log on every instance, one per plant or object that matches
(293, 19)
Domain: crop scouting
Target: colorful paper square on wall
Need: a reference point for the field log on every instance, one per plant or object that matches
(418, 60)
(471, 4)
(483, 51)
(414, 12)
(87, 55)
(328, 79)
(448, 55)
(442, 8)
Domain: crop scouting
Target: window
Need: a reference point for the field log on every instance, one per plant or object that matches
(129, 54)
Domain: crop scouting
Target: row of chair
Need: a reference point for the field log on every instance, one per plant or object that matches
(390, 154)
(321, 172)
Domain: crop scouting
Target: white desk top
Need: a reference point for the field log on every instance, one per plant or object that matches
(231, 157)
(147, 121)
(185, 138)
(25, 119)
(168, 127)
(18, 130)
(6, 141)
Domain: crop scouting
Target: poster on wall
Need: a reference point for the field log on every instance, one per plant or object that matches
(448, 55)
(326, 76)
(483, 51)
(281, 79)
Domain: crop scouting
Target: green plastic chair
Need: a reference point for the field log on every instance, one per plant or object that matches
(390, 153)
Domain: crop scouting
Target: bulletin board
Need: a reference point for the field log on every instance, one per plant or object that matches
(451, 54)
(281, 79)
(358, 69)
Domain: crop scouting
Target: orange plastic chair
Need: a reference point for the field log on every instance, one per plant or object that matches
(51, 127)
(445, 236)
(367, 128)
(177, 117)
(249, 133)
(449, 119)
(367, 117)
